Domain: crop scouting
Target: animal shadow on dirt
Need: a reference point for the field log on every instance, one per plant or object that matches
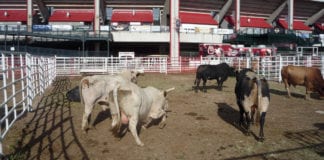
(231, 116)
(209, 87)
(293, 94)
(320, 126)
(311, 139)
(124, 127)
(102, 115)
(52, 117)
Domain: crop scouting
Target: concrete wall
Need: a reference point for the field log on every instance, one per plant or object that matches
(165, 37)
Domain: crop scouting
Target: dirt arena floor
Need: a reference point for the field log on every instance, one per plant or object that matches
(200, 126)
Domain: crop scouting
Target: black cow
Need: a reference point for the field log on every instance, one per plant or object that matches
(73, 95)
(219, 72)
(252, 93)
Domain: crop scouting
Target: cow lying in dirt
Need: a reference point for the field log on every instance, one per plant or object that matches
(310, 77)
(137, 106)
(252, 93)
(95, 89)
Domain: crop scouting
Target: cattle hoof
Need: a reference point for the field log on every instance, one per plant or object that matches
(162, 125)
(144, 127)
(84, 131)
(261, 139)
(140, 144)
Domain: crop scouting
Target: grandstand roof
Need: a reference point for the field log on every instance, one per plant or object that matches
(303, 9)
(132, 16)
(197, 18)
(72, 16)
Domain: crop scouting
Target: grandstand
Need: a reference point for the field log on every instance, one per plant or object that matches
(146, 27)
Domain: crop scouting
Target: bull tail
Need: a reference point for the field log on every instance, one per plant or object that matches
(257, 118)
(168, 90)
(116, 124)
(83, 82)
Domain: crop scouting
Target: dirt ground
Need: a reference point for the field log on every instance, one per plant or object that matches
(200, 126)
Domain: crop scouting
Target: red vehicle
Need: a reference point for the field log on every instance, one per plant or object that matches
(228, 50)
(263, 50)
(216, 49)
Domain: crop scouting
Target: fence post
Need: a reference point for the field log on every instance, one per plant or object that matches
(22, 76)
(248, 61)
(263, 66)
(4, 81)
(309, 61)
(28, 61)
(41, 75)
(322, 64)
(280, 66)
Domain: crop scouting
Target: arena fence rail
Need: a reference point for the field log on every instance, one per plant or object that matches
(269, 66)
(23, 77)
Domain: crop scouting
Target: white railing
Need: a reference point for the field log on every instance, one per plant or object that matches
(23, 77)
(268, 66)
(108, 65)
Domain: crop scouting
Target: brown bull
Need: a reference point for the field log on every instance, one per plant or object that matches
(310, 77)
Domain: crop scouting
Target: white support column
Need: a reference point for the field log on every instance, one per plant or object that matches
(43, 10)
(314, 17)
(237, 15)
(174, 30)
(220, 16)
(322, 63)
(96, 26)
(290, 14)
(29, 15)
(276, 13)
(166, 11)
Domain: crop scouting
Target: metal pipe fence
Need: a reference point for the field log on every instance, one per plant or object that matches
(269, 66)
(22, 77)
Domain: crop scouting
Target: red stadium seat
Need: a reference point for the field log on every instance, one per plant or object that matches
(297, 25)
(253, 22)
(72, 16)
(132, 16)
(197, 18)
(13, 15)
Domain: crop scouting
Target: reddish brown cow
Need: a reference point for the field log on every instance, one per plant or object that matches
(310, 77)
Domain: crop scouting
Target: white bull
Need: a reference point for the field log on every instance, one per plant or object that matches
(95, 89)
(136, 105)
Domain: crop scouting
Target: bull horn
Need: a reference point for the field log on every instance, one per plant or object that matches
(167, 90)
(170, 89)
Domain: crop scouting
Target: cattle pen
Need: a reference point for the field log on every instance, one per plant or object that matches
(24, 76)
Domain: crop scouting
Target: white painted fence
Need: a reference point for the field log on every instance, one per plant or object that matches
(268, 67)
(22, 77)
(110, 65)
